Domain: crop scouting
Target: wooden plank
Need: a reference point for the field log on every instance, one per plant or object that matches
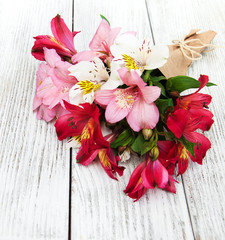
(100, 209)
(34, 165)
(204, 185)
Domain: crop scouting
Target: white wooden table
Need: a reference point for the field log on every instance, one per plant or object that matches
(41, 195)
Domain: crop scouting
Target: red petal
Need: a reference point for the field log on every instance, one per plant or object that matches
(67, 127)
(177, 121)
(62, 33)
(135, 177)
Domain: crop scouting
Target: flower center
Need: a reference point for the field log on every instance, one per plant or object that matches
(125, 99)
(104, 158)
(88, 86)
(130, 62)
(184, 153)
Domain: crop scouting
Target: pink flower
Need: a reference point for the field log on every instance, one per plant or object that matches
(100, 44)
(62, 41)
(52, 86)
(135, 102)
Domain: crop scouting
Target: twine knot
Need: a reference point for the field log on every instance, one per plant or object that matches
(198, 44)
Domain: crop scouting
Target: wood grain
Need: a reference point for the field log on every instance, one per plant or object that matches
(34, 165)
(204, 185)
(100, 209)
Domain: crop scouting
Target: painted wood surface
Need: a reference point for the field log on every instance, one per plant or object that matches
(204, 185)
(34, 165)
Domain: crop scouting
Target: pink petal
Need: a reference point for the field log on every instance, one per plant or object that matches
(62, 33)
(42, 73)
(84, 56)
(100, 35)
(45, 113)
(115, 113)
(37, 102)
(112, 36)
(51, 56)
(60, 75)
(103, 97)
(131, 78)
(143, 115)
(150, 93)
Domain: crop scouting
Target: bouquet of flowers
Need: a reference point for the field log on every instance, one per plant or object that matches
(112, 101)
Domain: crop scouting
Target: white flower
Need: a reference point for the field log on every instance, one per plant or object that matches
(136, 55)
(125, 155)
(90, 76)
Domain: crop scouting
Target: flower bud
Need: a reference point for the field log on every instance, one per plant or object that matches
(147, 133)
(154, 153)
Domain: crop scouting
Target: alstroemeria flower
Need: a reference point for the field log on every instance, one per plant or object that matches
(91, 76)
(135, 188)
(83, 123)
(52, 86)
(155, 175)
(136, 55)
(106, 157)
(148, 175)
(62, 41)
(171, 153)
(135, 102)
(100, 44)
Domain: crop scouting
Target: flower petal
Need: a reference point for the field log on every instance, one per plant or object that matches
(150, 93)
(103, 97)
(143, 115)
(62, 33)
(114, 113)
(157, 57)
(131, 78)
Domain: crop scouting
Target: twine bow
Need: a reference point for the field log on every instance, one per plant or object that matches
(184, 47)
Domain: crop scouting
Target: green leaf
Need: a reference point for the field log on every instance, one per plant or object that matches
(138, 143)
(182, 83)
(103, 17)
(157, 79)
(188, 145)
(158, 84)
(164, 104)
(209, 84)
(125, 138)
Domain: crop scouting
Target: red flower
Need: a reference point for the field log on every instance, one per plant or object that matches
(135, 188)
(148, 175)
(171, 153)
(83, 122)
(62, 41)
(155, 175)
(190, 114)
(106, 157)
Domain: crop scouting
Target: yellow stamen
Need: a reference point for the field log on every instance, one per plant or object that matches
(130, 62)
(40, 83)
(77, 138)
(87, 86)
(184, 153)
(104, 158)
(85, 134)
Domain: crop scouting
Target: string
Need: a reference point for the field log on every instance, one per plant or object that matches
(183, 44)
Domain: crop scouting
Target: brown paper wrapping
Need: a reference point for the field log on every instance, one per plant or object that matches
(177, 63)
